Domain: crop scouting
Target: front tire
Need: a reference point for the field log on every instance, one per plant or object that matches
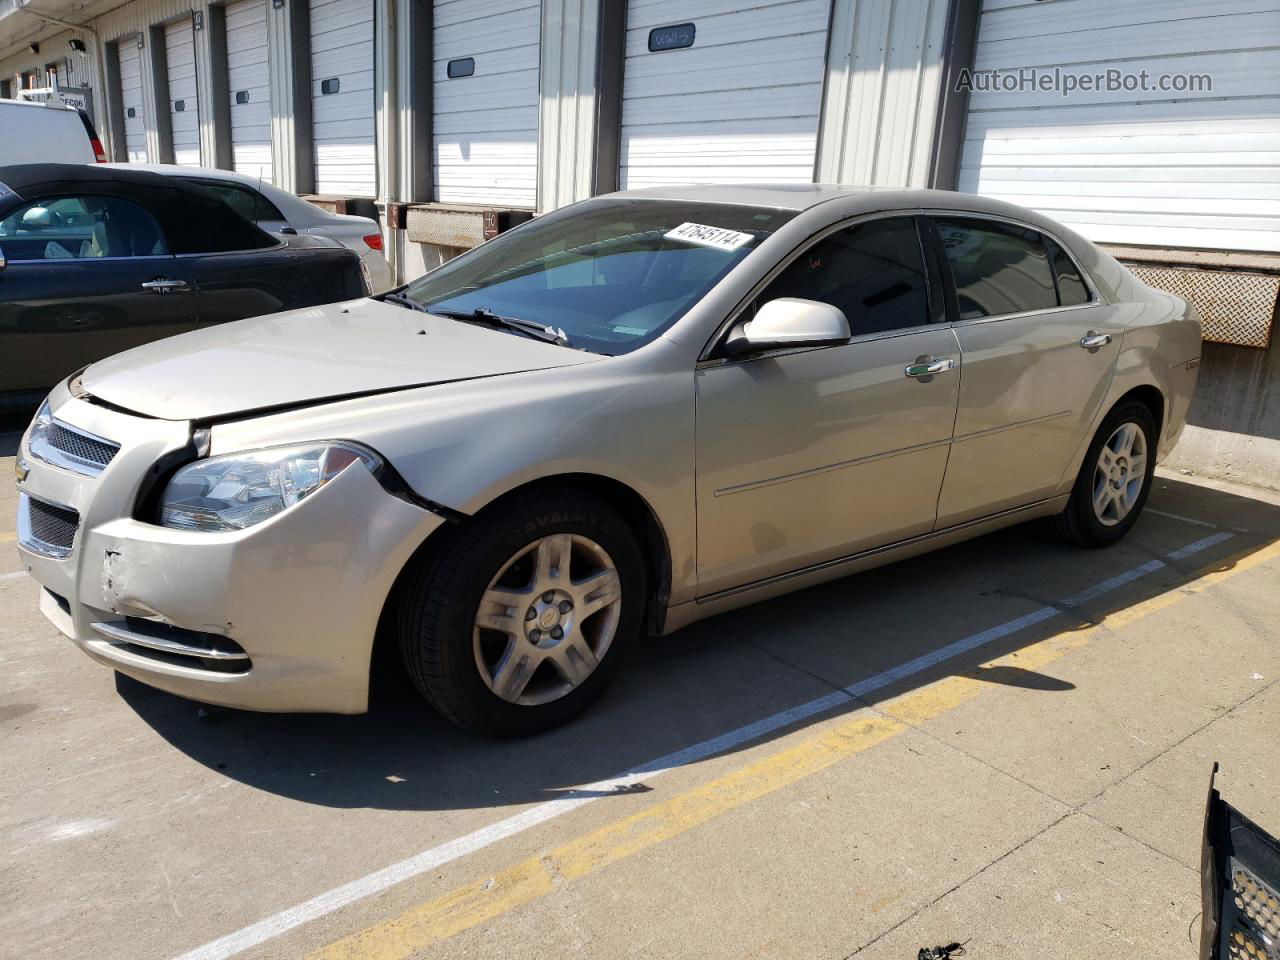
(517, 622)
(1114, 480)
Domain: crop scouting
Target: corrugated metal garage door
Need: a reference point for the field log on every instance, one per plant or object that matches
(1191, 168)
(740, 104)
(342, 95)
(135, 128)
(249, 88)
(184, 108)
(486, 101)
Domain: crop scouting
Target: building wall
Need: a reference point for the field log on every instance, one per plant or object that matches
(873, 115)
(883, 92)
(1167, 168)
(1233, 426)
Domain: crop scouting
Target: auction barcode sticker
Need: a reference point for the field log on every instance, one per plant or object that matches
(706, 236)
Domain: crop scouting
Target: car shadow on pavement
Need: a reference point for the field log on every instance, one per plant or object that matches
(729, 671)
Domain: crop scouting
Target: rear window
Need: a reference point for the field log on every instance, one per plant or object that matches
(998, 268)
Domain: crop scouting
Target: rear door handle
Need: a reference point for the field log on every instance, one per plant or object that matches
(1093, 340)
(164, 286)
(928, 366)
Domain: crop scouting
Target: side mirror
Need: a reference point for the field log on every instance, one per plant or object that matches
(790, 322)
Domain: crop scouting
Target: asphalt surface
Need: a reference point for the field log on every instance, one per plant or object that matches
(1006, 743)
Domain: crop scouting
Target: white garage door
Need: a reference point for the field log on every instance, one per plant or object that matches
(486, 101)
(184, 109)
(135, 127)
(738, 103)
(248, 88)
(342, 97)
(1169, 168)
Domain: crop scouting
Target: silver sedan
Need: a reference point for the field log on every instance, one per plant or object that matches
(612, 421)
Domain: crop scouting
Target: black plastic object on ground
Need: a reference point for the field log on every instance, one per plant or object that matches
(1239, 885)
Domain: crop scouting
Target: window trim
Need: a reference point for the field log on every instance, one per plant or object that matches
(708, 358)
(149, 256)
(934, 214)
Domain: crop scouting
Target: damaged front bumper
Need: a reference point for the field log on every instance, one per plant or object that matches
(280, 616)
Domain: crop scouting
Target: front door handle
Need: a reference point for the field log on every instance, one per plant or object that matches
(928, 366)
(1093, 340)
(162, 285)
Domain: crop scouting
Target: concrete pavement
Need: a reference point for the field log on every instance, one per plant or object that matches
(1037, 794)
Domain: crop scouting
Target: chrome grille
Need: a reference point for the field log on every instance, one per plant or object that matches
(81, 446)
(46, 528)
(72, 449)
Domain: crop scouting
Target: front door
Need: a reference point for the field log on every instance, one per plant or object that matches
(86, 277)
(1039, 352)
(810, 455)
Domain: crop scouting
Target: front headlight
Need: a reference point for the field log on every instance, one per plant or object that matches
(237, 490)
(40, 426)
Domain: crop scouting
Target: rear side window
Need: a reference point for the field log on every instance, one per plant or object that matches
(250, 204)
(1071, 288)
(210, 225)
(872, 271)
(80, 228)
(998, 268)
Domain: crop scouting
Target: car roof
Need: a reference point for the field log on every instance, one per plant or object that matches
(38, 104)
(802, 196)
(38, 176)
(181, 170)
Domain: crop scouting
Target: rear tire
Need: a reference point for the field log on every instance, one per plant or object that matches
(517, 621)
(1114, 480)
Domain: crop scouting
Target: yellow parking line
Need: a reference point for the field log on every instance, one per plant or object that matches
(7, 535)
(475, 903)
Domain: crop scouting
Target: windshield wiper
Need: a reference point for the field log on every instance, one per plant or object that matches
(539, 331)
(400, 300)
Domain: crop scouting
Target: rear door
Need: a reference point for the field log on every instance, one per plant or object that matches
(86, 277)
(811, 455)
(1039, 352)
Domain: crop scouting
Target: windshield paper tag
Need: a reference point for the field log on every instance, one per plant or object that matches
(705, 236)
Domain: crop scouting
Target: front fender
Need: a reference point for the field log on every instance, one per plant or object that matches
(463, 445)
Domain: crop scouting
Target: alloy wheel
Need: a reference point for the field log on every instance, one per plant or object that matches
(547, 619)
(1120, 473)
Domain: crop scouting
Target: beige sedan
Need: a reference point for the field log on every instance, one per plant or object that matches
(619, 418)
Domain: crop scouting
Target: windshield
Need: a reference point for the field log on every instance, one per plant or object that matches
(611, 273)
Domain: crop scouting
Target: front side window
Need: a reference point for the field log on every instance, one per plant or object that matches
(611, 273)
(80, 228)
(872, 271)
(998, 268)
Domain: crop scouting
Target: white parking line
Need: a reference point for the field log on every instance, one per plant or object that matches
(1177, 516)
(279, 923)
(13, 576)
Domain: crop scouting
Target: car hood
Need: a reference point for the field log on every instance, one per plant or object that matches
(303, 356)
